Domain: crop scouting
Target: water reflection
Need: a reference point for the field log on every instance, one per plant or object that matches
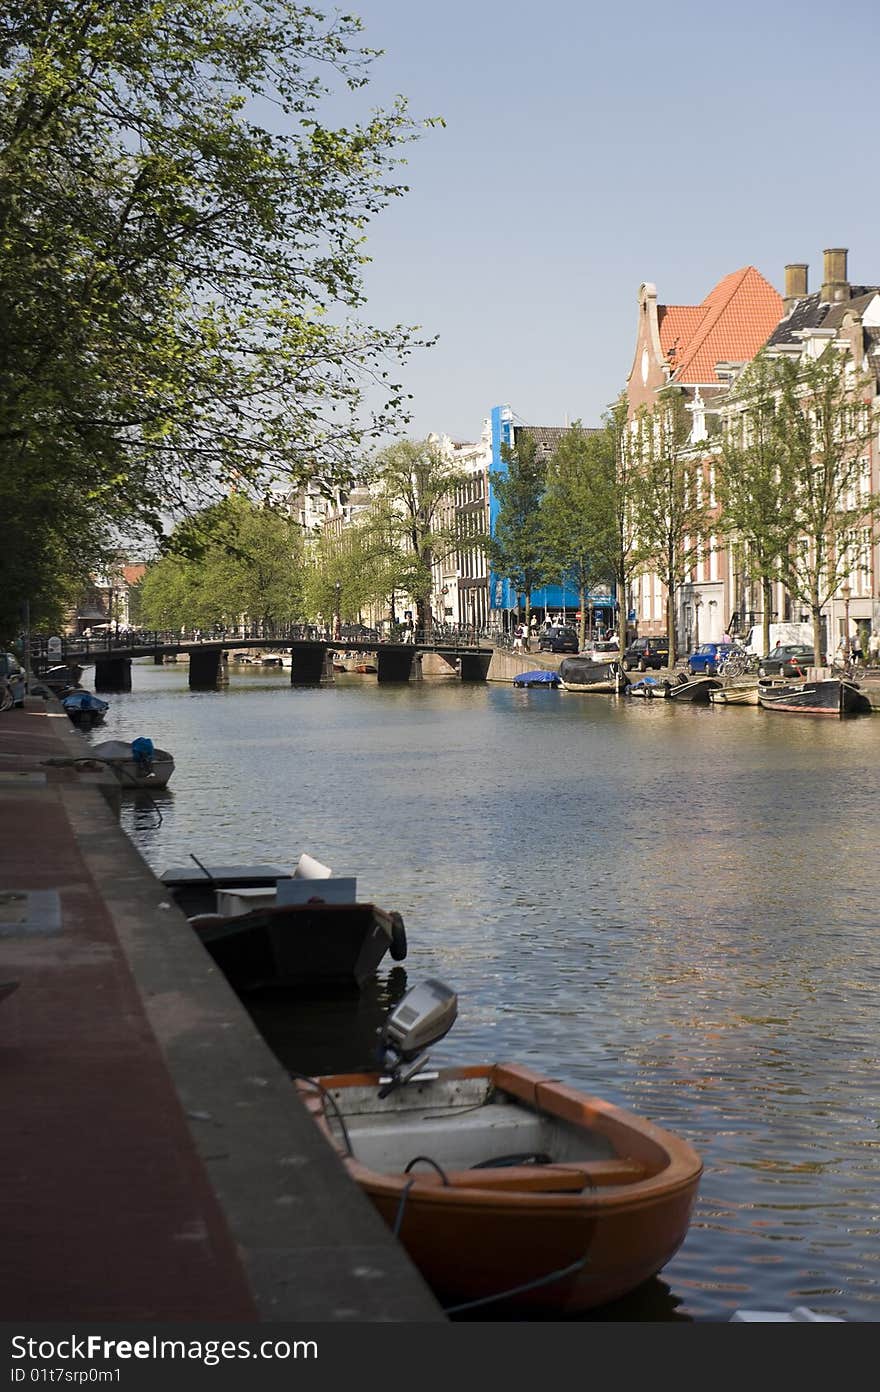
(333, 1034)
(674, 908)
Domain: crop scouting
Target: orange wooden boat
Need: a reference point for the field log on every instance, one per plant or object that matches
(500, 1182)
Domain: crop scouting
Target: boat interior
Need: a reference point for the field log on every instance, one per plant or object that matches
(458, 1124)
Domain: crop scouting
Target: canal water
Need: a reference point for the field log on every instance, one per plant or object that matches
(675, 908)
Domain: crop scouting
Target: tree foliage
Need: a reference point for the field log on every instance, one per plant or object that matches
(824, 423)
(413, 520)
(753, 478)
(518, 548)
(575, 516)
(252, 569)
(180, 261)
(671, 517)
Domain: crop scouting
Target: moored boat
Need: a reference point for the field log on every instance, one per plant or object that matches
(695, 689)
(735, 694)
(314, 946)
(136, 765)
(583, 674)
(649, 688)
(266, 927)
(833, 697)
(540, 677)
(503, 1185)
(85, 709)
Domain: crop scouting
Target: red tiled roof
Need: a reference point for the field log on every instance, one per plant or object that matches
(733, 322)
(678, 324)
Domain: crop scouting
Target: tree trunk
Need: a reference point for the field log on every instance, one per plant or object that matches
(670, 623)
(767, 600)
(582, 623)
(816, 615)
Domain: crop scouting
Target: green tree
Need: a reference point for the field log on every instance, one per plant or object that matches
(752, 478)
(251, 569)
(825, 423)
(671, 519)
(518, 548)
(181, 246)
(617, 487)
(414, 481)
(574, 515)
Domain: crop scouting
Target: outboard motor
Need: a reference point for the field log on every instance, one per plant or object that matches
(423, 1017)
(142, 750)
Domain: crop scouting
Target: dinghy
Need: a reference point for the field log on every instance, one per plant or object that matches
(505, 1186)
(136, 765)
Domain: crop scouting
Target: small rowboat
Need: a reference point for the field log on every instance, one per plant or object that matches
(85, 709)
(136, 765)
(500, 1182)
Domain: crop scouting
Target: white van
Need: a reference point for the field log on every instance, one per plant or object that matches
(784, 633)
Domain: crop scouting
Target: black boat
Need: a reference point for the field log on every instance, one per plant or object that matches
(694, 689)
(833, 696)
(583, 674)
(266, 928)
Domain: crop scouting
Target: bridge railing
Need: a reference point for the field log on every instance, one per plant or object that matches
(47, 650)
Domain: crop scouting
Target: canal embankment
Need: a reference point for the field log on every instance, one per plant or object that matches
(156, 1163)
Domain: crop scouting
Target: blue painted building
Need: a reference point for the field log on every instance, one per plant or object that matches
(505, 604)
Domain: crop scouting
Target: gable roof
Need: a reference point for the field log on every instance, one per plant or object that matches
(733, 322)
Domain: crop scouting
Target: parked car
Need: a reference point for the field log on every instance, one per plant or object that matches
(605, 650)
(646, 652)
(708, 657)
(559, 640)
(790, 661)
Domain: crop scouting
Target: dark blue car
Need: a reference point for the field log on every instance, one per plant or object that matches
(708, 657)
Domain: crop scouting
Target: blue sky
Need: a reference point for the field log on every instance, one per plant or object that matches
(588, 149)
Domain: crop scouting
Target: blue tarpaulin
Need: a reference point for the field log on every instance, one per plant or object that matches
(538, 678)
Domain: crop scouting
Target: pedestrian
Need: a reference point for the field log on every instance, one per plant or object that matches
(874, 648)
(518, 638)
(856, 647)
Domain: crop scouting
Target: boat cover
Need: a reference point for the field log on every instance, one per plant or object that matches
(537, 678)
(84, 700)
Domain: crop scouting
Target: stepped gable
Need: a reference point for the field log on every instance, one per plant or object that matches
(731, 324)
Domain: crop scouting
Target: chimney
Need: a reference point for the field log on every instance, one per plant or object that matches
(795, 284)
(836, 285)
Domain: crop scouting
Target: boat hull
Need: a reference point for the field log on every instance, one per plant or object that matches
(831, 698)
(313, 946)
(597, 1227)
(86, 719)
(696, 690)
(735, 695)
(132, 774)
(580, 674)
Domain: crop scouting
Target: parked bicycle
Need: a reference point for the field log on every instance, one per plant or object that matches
(738, 664)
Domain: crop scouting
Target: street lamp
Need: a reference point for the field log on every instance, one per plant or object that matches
(698, 604)
(846, 595)
(337, 625)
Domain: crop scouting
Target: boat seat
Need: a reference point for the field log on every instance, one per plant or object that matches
(572, 1177)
